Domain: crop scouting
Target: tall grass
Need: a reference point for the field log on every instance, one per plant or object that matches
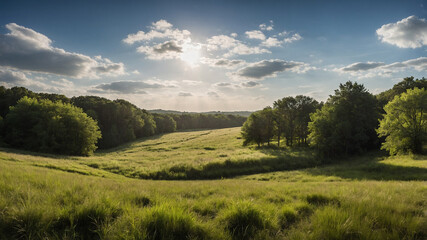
(330, 202)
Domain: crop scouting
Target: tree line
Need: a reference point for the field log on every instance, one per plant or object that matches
(54, 123)
(351, 121)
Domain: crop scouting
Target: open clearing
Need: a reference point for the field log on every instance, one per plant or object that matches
(54, 197)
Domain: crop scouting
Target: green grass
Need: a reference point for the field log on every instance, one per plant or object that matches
(209, 154)
(57, 197)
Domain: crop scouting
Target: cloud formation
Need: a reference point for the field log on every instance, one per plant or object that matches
(255, 34)
(12, 77)
(372, 69)
(410, 32)
(232, 46)
(360, 66)
(25, 49)
(223, 62)
(250, 84)
(128, 87)
(266, 27)
(269, 68)
(178, 42)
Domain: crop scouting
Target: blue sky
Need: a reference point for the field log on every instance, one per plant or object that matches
(209, 55)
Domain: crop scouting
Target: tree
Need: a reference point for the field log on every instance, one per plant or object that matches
(346, 123)
(399, 88)
(54, 127)
(292, 115)
(259, 127)
(405, 122)
(285, 118)
(164, 123)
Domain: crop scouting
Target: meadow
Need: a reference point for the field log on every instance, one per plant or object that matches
(230, 192)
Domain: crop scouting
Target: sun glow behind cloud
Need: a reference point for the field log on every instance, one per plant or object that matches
(191, 54)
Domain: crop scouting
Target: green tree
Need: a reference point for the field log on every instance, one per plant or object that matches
(286, 113)
(346, 123)
(46, 126)
(399, 88)
(259, 127)
(405, 122)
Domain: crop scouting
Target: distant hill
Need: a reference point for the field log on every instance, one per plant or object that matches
(238, 113)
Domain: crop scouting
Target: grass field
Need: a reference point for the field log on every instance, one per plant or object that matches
(54, 197)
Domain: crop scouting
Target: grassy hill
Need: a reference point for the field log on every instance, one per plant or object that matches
(58, 197)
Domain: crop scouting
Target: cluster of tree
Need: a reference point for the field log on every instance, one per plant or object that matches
(346, 123)
(288, 118)
(198, 120)
(350, 122)
(54, 127)
(119, 121)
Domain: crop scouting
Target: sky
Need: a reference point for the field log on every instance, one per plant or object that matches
(210, 55)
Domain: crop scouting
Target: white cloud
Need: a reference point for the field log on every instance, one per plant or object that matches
(26, 49)
(232, 46)
(191, 82)
(221, 42)
(293, 38)
(177, 44)
(410, 32)
(272, 42)
(266, 27)
(255, 34)
(160, 29)
(269, 68)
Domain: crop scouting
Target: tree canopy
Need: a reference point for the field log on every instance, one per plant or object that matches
(405, 122)
(346, 123)
(53, 127)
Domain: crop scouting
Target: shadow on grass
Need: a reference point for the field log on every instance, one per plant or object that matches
(38, 154)
(370, 167)
(280, 160)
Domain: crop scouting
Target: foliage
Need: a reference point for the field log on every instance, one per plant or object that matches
(259, 127)
(405, 123)
(164, 123)
(42, 125)
(200, 121)
(292, 115)
(399, 88)
(346, 124)
(119, 120)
